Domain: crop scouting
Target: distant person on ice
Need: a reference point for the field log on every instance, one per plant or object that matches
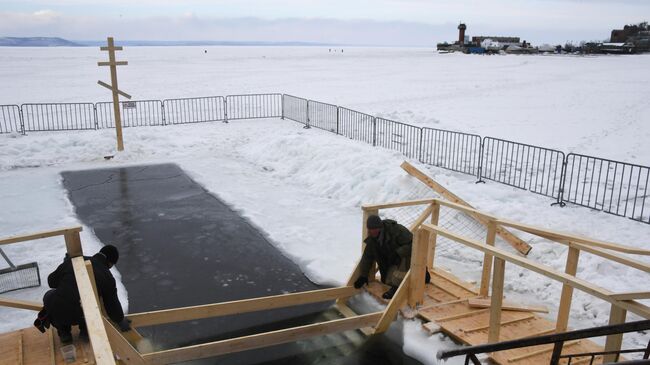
(62, 306)
(388, 244)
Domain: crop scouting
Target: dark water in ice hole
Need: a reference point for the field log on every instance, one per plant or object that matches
(180, 246)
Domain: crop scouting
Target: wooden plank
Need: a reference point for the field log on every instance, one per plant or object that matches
(487, 259)
(93, 317)
(461, 315)
(109, 87)
(548, 348)
(39, 235)
(613, 342)
(260, 340)
(454, 280)
(639, 265)
(398, 300)
(113, 63)
(73, 244)
(562, 322)
(50, 338)
(19, 349)
(406, 203)
(513, 240)
(348, 313)
(496, 300)
(238, 306)
(631, 295)
(507, 306)
(632, 306)
(435, 216)
(560, 236)
(127, 353)
(503, 323)
(418, 267)
(20, 304)
(114, 48)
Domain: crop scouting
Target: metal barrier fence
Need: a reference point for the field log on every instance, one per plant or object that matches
(58, 116)
(397, 136)
(254, 106)
(356, 125)
(323, 116)
(611, 186)
(194, 110)
(523, 166)
(295, 108)
(10, 120)
(134, 114)
(451, 150)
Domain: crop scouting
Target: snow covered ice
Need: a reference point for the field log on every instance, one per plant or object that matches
(305, 187)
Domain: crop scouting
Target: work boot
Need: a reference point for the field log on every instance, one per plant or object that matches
(390, 293)
(65, 337)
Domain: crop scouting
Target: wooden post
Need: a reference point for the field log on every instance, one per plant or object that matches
(400, 297)
(487, 258)
(112, 63)
(73, 243)
(435, 216)
(497, 300)
(567, 291)
(613, 342)
(418, 266)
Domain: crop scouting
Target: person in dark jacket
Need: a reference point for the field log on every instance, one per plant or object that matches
(63, 305)
(389, 245)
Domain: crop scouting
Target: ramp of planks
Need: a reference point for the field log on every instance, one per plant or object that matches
(30, 347)
(445, 305)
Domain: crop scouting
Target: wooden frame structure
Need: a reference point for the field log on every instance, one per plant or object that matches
(108, 343)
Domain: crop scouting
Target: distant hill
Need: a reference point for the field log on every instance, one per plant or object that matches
(36, 42)
(135, 43)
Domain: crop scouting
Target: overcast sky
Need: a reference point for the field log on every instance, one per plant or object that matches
(368, 22)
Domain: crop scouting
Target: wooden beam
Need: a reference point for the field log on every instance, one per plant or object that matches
(470, 313)
(109, 87)
(418, 267)
(348, 312)
(93, 317)
(20, 304)
(238, 306)
(260, 340)
(126, 353)
(506, 306)
(406, 203)
(433, 238)
(114, 48)
(504, 323)
(631, 295)
(399, 299)
(549, 348)
(496, 300)
(112, 63)
(639, 265)
(576, 283)
(454, 280)
(73, 243)
(39, 235)
(487, 259)
(560, 236)
(567, 291)
(613, 342)
(513, 240)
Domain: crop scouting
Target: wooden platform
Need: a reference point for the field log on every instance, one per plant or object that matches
(445, 306)
(30, 347)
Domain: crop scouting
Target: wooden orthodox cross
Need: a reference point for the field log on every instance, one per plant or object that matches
(113, 87)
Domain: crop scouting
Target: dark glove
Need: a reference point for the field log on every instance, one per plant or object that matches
(42, 322)
(360, 282)
(125, 325)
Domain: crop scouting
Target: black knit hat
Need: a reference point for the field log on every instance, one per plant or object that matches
(111, 253)
(374, 222)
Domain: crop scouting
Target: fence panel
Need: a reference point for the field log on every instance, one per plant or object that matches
(10, 119)
(254, 106)
(194, 110)
(294, 108)
(451, 150)
(134, 113)
(397, 136)
(611, 186)
(523, 166)
(323, 116)
(356, 125)
(58, 116)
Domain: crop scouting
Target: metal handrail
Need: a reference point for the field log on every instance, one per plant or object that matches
(557, 339)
